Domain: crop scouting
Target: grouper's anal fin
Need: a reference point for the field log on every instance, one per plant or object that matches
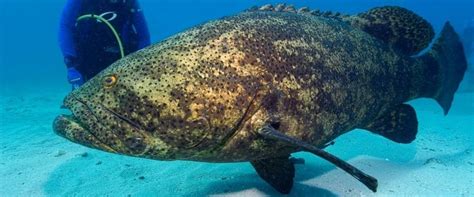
(278, 172)
(271, 133)
(399, 125)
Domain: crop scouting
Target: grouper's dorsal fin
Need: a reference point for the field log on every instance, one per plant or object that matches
(269, 132)
(396, 26)
(292, 9)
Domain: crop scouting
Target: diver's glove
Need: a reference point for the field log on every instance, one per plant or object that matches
(75, 78)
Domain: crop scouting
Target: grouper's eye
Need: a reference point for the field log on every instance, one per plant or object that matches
(110, 81)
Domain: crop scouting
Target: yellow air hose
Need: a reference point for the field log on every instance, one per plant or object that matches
(102, 19)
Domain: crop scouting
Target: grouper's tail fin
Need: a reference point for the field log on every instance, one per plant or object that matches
(447, 63)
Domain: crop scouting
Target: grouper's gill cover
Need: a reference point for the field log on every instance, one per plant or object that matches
(263, 84)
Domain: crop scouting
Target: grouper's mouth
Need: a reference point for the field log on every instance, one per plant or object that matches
(71, 128)
(92, 125)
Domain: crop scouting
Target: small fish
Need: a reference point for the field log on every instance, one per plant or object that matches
(266, 83)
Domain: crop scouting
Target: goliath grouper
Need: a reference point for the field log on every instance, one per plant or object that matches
(266, 83)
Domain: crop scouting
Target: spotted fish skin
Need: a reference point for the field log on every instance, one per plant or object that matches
(204, 93)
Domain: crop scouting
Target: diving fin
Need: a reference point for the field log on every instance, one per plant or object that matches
(278, 172)
(399, 125)
(271, 133)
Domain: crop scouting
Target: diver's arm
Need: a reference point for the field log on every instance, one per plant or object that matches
(67, 44)
(141, 28)
(66, 32)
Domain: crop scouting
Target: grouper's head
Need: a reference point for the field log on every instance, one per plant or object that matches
(162, 102)
(135, 108)
(109, 115)
(199, 95)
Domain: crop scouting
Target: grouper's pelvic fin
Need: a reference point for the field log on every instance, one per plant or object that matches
(445, 65)
(269, 132)
(278, 172)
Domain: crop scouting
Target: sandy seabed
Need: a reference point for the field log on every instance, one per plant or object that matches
(36, 162)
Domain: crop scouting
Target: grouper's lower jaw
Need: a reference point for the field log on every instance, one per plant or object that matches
(70, 128)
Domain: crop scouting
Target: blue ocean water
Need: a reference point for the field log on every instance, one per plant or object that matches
(36, 162)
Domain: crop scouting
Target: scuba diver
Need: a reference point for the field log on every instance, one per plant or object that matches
(95, 33)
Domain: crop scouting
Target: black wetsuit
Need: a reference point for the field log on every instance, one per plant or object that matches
(88, 45)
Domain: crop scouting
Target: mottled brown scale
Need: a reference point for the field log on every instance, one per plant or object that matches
(204, 94)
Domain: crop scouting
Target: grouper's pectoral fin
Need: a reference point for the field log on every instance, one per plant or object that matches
(399, 125)
(278, 172)
(271, 133)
